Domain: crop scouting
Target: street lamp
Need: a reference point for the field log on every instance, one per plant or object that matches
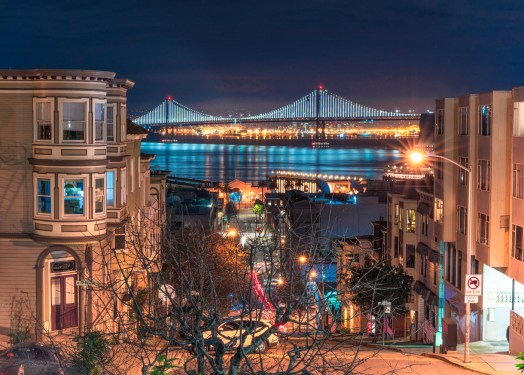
(418, 157)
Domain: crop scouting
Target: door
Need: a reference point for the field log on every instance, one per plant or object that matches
(64, 305)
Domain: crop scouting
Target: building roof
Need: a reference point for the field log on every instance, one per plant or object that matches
(135, 129)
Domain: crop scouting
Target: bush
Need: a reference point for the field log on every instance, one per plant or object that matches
(93, 353)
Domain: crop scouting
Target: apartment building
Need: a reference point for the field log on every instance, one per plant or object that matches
(410, 244)
(71, 180)
(475, 131)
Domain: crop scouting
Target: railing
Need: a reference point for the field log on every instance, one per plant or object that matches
(516, 333)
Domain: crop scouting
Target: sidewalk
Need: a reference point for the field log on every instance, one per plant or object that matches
(485, 357)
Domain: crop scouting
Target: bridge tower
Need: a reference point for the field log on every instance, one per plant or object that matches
(320, 128)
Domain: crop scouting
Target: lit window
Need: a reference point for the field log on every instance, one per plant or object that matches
(99, 195)
(439, 210)
(110, 176)
(463, 175)
(485, 120)
(44, 120)
(43, 195)
(73, 121)
(73, 196)
(99, 121)
(110, 123)
(410, 221)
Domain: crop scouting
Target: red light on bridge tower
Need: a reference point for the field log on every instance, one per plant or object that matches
(320, 87)
(169, 98)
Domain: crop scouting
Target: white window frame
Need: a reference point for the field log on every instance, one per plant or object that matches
(51, 101)
(61, 179)
(115, 184)
(439, 210)
(518, 119)
(463, 121)
(51, 178)
(490, 120)
(95, 178)
(104, 124)
(113, 119)
(123, 123)
(132, 173)
(462, 174)
(483, 228)
(462, 220)
(484, 175)
(123, 186)
(518, 180)
(61, 102)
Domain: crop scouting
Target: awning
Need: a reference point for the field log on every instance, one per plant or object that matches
(423, 249)
(418, 287)
(434, 256)
(424, 208)
(432, 299)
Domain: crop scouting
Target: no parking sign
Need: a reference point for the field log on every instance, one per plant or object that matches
(473, 285)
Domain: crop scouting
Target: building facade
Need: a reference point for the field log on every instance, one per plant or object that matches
(70, 178)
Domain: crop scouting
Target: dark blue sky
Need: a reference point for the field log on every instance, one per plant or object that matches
(218, 56)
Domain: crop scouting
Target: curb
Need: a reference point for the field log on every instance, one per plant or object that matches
(442, 358)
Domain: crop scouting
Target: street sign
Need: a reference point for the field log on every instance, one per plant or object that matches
(473, 285)
(471, 299)
(85, 282)
(388, 310)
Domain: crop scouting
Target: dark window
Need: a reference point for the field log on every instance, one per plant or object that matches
(410, 256)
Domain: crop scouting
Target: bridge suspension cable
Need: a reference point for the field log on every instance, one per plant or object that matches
(330, 106)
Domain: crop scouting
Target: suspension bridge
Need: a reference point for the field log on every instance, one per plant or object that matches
(319, 106)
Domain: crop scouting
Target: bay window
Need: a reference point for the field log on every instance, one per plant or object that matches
(110, 190)
(99, 195)
(110, 126)
(73, 122)
(100, 120)
(43, 118)
(123, 186)
(74, 193)
(43, 196)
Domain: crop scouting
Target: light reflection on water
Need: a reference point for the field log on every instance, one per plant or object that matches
(221, 162)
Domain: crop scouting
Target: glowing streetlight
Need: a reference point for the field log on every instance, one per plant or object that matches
(313, 274)
(280, 281)
(417, 157)
(232, 233)
(302, 259)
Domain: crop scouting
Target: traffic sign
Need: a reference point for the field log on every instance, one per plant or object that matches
(471, 299)
(473, 285)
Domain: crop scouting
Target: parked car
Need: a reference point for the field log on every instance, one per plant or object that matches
(29, 359)
(232, 331)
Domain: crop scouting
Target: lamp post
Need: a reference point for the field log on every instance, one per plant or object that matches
(418, 157)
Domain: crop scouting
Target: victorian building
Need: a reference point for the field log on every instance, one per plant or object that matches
(72, 180)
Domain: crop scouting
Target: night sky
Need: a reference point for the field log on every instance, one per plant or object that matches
(252, 56)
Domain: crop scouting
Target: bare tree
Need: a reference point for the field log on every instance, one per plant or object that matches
(168, 300)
